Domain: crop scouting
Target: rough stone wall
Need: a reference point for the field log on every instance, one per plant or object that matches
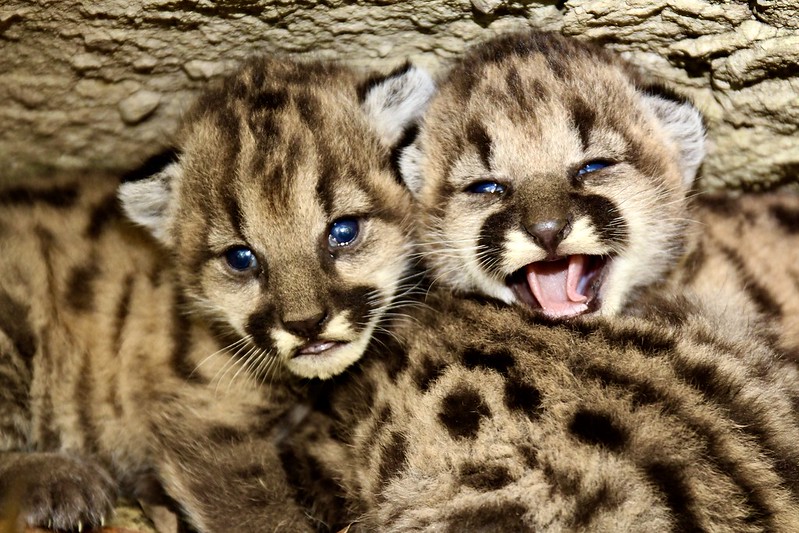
(100, 83)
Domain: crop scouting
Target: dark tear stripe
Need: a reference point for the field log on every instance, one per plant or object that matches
(583, 118)
(180, 335)
(357, 301)
(84, 394)
(605, 216)
(103, 214)
(787, 218)
(759, 294)
(327, 178)
(479, 138)
(61, 197)
(80, 285)
(491, 242)
(257, 327)
(392, 459)
(14, 322)
(647, 393)
(233, 209)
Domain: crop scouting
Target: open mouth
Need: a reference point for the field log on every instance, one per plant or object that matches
(318, 348)
(563, 287)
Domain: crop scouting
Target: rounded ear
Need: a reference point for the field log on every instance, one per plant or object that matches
(684, 126)
(149, 199)
(396, 101)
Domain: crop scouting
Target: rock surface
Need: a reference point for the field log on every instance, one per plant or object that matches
(100, 85)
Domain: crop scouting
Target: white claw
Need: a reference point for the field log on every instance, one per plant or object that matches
(102, 521)
(80, 526)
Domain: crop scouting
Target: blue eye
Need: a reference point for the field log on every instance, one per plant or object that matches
(241, 258)
(592, 166)
(486, 187)
(342, 232)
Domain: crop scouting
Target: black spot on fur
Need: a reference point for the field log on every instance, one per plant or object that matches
(427, 372)
(14, 321)
(520, 396)
(484, 477)
(479, 138)
(759, 294)
(493, 517)
(500, 360)
(153, 165)
(461, 412)
(80, 286)
(597, 428)
(269, 100)
(605, 217)
(393, 458)
(583, 118)
(225, 434)
(309, 108)
(787, 218)
(644, 392)
(62, 197)
(121, 314)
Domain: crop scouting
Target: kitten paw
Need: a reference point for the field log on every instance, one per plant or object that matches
(57, 491)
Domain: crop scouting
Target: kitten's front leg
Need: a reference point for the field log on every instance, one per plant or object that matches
(54, 490)
(228, 479)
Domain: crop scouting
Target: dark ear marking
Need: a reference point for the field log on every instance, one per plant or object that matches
(374, 80)
(153, 165)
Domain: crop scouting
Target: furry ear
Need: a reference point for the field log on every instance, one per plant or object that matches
(684, 125)
(396, 101)
(149, 200)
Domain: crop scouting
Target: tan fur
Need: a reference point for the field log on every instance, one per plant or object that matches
(129, 364)
(484, 417)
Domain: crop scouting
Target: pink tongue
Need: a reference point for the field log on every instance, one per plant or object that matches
(554, 285)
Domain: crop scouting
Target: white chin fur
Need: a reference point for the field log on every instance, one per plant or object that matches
(327, 365)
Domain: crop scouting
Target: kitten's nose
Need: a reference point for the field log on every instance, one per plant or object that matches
(308, 327)
(548, 234)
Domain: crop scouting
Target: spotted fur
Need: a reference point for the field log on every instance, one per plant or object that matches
(595, 166)
(129, 363)
(487, 417)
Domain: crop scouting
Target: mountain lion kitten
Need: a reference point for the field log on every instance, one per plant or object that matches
(128, 362)
(551, 174)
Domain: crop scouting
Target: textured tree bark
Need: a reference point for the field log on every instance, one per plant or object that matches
(100, 84)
